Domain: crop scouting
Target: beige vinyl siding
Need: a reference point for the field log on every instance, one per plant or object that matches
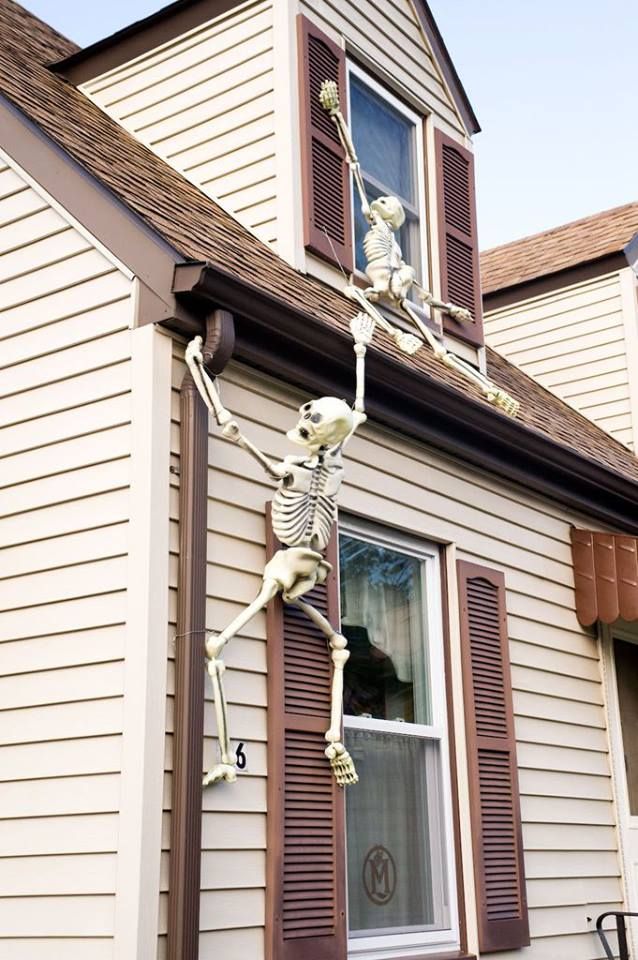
(572, 340)
(204, 103)
(64, 450)
(570, 839)
(390, 37)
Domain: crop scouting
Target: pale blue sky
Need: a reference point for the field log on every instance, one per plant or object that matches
(552, 83)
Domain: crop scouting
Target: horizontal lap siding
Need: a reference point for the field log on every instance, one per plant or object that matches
(64, 451)
(573, 342)
(568, 816)
(204, 103)
(388, 32)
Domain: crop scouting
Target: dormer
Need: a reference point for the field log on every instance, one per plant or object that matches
(227, 93)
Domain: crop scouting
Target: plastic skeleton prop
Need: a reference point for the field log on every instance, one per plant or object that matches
(392, 278)
(303, 512)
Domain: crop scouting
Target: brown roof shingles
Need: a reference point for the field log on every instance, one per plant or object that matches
(558, 249)
(199, 229)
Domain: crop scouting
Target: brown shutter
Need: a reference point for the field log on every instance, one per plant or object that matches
(305, 897)
(491, 744)
(458, 242)
(325, 174)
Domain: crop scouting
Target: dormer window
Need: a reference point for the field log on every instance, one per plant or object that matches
(389, 141)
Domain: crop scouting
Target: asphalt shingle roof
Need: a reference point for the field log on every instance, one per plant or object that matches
(558, 249)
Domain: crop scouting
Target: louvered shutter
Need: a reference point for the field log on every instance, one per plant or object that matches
(325, 174)
(458, 242)
(305, 900)
(491, 745)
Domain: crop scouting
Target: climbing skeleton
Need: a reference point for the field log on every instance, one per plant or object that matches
(304, 509)
(391, 278)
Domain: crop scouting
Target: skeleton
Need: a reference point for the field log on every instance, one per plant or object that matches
(304, 509)
(392, 279)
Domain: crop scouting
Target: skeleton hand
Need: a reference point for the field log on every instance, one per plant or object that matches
(194, 352)
(329, 96)
(362, 328)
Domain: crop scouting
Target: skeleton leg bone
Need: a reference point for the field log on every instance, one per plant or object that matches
(340, 760)
(406, 342)
(496, 395)
(227, 770)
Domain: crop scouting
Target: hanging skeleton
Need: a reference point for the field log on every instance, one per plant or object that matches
(304, 509)
(392, 279)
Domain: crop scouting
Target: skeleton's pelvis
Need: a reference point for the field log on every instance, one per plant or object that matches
(297, 570)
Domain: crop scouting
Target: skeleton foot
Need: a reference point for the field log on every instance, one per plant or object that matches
(222, 771)
(501, 399)
(342, 764)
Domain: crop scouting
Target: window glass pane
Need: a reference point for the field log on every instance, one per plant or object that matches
(384, 139)
(382, 617)
(627, 678)
(396, 874)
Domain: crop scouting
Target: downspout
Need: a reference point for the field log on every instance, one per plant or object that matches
(188, 737)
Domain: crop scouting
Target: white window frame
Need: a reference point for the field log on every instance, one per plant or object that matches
(389, 946)
(422, 266)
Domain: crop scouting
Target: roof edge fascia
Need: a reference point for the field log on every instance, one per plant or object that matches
(140, 38)
(452, 79)
(274, 337)
(100, 212)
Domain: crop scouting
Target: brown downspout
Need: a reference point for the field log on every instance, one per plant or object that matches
(186, 819)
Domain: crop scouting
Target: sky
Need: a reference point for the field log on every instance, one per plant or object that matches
(551, 81)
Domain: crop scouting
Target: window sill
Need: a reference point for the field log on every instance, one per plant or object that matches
(455, 955)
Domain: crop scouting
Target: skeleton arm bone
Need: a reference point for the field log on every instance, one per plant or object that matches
(329, 96)
(230, 428)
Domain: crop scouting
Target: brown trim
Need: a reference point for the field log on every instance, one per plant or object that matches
(325, 175)
(497, 832)
(460, 97)
(293, 930)
(450, 233)
(139, 38)
(285, 342)
(548, 283)
(449, 701)
(186, 816)
(127, 237)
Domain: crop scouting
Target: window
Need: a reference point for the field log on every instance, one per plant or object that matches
(399, 837)
(389, 142)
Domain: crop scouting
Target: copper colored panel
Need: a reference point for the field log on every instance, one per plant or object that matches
(583, 557)
(627, 569)
(605, 576)
(606, 580)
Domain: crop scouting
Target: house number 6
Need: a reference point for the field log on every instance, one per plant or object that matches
(241, 758)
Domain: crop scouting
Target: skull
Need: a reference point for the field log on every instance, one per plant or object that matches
(323, 423)
(390, 210)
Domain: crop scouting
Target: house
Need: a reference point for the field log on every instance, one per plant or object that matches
(562, 306)
(177, 180)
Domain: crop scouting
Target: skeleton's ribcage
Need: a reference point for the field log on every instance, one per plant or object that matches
(379, 244)
(300, 518)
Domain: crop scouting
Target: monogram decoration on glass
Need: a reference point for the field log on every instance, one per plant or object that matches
(304, 509)
(391, 279)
